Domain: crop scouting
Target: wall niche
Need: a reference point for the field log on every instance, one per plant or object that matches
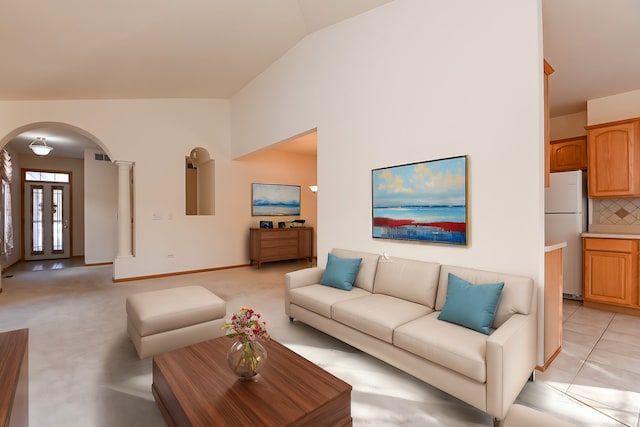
(199, 183)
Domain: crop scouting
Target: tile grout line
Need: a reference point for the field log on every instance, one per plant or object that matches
(577, 399)
(566, 393)
(593, 347)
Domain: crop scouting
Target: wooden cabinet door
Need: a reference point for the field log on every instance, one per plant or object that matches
(611, 271)
(305, 243)
(607, 277)
(569, 154)
(614, 160)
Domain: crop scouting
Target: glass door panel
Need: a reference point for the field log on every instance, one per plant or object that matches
(37, 206)
(47, 221)
(57, 212)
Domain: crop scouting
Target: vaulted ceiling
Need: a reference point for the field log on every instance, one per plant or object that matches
(593, 46)
(91, 49)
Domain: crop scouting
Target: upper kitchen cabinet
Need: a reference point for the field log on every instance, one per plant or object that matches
(614, 159)
(569, 154)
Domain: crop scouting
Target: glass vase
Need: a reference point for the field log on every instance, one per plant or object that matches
(246, 359)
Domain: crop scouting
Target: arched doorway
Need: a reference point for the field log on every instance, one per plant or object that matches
(93, 188)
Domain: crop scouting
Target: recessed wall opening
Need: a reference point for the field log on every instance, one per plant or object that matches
(199, 183)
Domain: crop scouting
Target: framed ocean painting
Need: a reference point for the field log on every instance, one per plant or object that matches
(275, 199)
(424, 201)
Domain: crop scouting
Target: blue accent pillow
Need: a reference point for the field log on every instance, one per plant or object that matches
(340, 272)
(472, 306)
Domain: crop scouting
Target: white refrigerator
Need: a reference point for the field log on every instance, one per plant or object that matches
(565, 220)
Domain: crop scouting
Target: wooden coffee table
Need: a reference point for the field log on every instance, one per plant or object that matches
(193, 386)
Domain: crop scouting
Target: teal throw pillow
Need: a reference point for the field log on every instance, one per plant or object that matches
(340, 272)
(473, 306)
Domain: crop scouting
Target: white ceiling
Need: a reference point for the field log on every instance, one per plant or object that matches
(92, 49)
(96, 49)
(65, 142)
(594, 47)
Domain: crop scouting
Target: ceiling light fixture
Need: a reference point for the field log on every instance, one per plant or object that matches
(40, 147)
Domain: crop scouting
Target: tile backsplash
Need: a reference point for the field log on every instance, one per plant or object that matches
(619, 212)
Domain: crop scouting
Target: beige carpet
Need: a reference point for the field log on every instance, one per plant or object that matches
(84, 370)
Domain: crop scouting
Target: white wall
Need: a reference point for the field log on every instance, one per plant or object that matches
(101, 209)
(277, 167)
(615, 107)
(416, 80)
(76, 167)
(568, 126)
(409, 81)
(156, 135)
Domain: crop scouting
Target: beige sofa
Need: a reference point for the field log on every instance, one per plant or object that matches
(391, 313)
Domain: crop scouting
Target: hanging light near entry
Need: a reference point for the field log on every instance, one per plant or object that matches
(39, 147)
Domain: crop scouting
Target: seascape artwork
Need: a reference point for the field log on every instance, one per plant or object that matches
(424, 201)
(275, 199)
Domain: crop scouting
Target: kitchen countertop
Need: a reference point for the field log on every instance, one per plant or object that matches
(611, 235)
(552, 245)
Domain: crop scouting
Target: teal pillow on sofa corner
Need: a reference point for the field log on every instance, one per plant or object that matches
(340, 272)
(472, 306)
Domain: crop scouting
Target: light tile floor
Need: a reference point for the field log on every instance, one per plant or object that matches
(91, 376)
(600, 362)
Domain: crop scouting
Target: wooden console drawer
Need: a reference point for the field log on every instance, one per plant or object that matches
(278, 234)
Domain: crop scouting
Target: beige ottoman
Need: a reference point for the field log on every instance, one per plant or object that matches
(168, 319)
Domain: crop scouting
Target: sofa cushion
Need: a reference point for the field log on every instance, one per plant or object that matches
(368, 267)
(517, 294)
(459, 349)
(377, 315)
(340, 272)
(472, 306)
(415, 281)
(319, 298)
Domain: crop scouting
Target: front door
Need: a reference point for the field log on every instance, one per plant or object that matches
(46, 230)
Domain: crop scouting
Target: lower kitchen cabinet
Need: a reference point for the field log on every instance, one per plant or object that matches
(611, 273)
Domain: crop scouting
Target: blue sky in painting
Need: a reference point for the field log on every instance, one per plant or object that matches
(276, 194)
(440, 182)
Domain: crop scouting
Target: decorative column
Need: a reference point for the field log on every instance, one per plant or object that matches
(124, 209)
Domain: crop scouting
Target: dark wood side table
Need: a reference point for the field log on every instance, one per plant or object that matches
(14, 378)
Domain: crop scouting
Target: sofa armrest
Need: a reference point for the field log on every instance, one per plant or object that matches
(299, 278)
(304, 277)
(511, 358)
